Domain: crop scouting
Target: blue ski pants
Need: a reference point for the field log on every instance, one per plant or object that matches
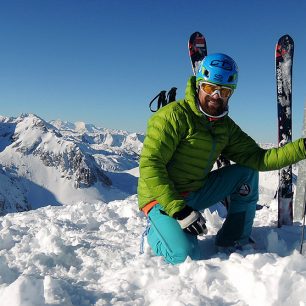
(165, 235)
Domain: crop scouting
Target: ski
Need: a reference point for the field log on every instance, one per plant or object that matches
(197, 50)
(283, 66)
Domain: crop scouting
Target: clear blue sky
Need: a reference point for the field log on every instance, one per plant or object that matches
(102, 61)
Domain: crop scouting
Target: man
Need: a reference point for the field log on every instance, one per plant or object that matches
(183, 141)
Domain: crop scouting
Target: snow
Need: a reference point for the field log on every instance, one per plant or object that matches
(88, 254)
(81, 246)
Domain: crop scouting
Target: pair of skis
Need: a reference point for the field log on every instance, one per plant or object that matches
(283, 60)
(283, 63)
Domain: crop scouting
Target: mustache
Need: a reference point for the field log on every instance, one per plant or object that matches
(209, 98)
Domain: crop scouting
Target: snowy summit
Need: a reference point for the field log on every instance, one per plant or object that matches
(70, 230)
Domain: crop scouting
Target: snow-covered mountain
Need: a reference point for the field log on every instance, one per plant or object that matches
(61, 163)
(124, 141)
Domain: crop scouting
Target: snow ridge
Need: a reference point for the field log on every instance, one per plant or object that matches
(47, 157)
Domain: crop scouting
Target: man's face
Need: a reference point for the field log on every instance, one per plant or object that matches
(213, 104)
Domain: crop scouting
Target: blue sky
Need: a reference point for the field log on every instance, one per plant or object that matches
(102, 61)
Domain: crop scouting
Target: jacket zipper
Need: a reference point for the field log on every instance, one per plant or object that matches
(213, 149)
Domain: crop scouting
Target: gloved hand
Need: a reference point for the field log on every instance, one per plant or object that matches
(191, 221)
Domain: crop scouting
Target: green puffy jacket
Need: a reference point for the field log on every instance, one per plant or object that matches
(182, 145)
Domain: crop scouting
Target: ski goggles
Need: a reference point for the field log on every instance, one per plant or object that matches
(211, 89)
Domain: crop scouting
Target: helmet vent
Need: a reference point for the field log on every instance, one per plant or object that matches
(206, 73)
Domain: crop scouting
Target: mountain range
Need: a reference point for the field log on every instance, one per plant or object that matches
(55, 163)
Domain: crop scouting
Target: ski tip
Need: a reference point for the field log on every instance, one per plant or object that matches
(197, 44)
(285, 44)
(286, 38)
(287, 35)
(196, 34)
(195, 38)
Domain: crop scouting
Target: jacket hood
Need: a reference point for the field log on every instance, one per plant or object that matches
(191, 96)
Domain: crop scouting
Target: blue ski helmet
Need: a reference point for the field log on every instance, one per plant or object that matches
(218, 69)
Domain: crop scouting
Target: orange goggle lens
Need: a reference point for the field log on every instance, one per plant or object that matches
(223, 91)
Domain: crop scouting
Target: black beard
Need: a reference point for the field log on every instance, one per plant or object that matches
(217, 110)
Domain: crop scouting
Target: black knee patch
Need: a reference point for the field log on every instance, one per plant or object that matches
(244, 190)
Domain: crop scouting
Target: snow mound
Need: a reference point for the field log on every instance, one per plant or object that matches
(88, 254)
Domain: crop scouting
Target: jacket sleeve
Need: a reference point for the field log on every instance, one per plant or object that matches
(163, 135)
(243, 150)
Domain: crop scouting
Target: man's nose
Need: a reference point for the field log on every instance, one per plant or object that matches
(216, 94)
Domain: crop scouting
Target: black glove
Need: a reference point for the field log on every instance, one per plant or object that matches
(191, 221)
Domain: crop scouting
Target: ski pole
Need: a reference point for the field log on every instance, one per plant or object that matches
(160, 102)
(303, 225)
(171, 95)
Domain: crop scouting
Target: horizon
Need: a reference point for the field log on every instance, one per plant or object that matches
(101, 62)
(88, 124)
